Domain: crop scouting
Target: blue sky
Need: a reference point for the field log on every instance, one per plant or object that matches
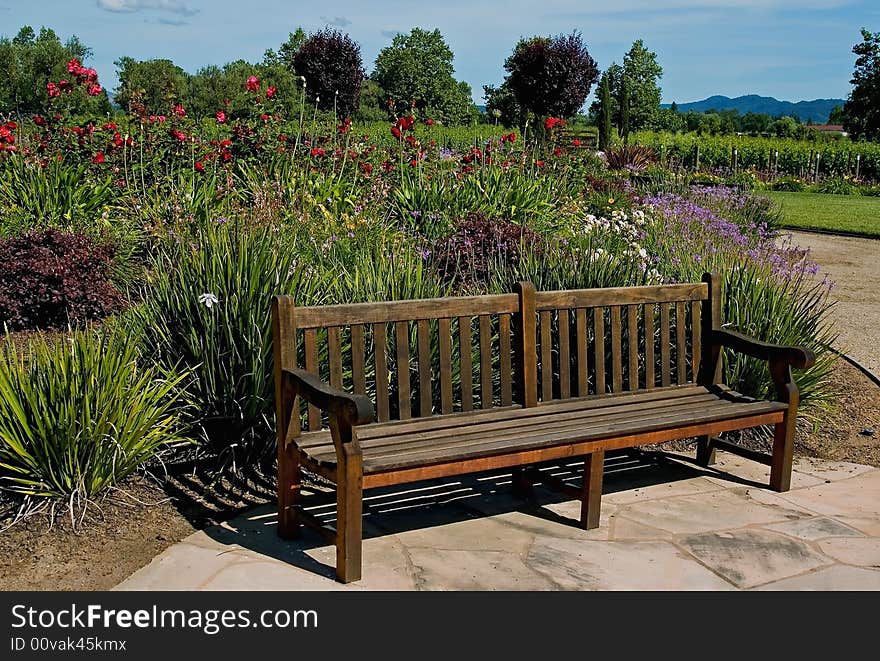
(790, 49)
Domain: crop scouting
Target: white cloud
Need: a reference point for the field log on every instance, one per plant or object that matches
(338, 21)
(127, 6)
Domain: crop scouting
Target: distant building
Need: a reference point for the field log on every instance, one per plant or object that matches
(834, 129)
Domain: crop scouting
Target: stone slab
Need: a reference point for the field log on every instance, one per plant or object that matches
(751, 557)
(838, 577)
(812, 529)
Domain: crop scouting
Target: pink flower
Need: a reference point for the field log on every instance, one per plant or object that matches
(53, 90)
(221, 117)
(253, 84)
(179, 111)
(74, 66)
(94, 89)
(270, 92)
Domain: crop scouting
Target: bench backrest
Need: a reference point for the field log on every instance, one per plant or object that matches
(429, 356)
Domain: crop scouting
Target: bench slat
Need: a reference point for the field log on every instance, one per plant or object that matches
(467, 367)
(310, 338)
(581, 339)
(358, 356)
(696, 339)
(424, 340)
(485, 362)
(411, 310)
(665, 378)
(616, 351)
(380, 345)
(599, 348)
(650, 378)
(445, 342)
(632, 329)
(564, 357)
(505, 365)
(546, 318)
(334, 357)
(604, 297)
(680, 343)
(401, 340)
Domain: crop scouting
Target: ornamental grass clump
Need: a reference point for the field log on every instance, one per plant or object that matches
(207, 309)
(80, 413)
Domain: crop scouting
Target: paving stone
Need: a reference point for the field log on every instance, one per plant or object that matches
(730, 470)
(857, 497)
(871, 527)
(256, 575)
(558, 520)
(437, 569)
(830, 470)
(484, 534)
(666, 490)
(864, 552)
(626, 529)
(838, 577)
(717, 510)
(752, 557)
(179, 567)
(620, 566)
(811, 529)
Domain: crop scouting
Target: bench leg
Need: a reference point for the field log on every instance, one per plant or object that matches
(783, 454)
(289, 484)
(520, 482)
(591, 497)
(705, 451)
(349, 520)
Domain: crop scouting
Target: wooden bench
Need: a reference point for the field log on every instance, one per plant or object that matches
(468, 384)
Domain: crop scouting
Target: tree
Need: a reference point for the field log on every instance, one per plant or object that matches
(605, 114)
(417, 68)
(501, 102)
(625, 107)
(330, 61)
(30, 61)
(641, 70)
(551, 76)
(837, 115)
(373, 105)
(669, 119)
(150, 87)
(611, 78)
(862, 108)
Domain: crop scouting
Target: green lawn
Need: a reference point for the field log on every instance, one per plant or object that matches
(835, 213)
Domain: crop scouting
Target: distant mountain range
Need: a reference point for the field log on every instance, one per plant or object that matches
(815, 111)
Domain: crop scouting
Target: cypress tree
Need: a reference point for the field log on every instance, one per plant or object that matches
(624, 111)
(605, 115)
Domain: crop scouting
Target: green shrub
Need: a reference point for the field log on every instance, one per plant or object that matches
(837, 186)
(80, 413)
(207, 309)
(789, 184)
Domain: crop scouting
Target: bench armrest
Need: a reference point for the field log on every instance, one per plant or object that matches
(352, 409)
(797, 357)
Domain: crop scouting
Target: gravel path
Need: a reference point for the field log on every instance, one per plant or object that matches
(854, 265)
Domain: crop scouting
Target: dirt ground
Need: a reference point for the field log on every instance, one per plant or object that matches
(854, 266)
(126, 531)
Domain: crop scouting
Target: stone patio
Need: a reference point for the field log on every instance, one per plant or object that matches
(666, 525)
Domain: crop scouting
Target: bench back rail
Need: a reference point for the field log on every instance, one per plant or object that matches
(435, 356)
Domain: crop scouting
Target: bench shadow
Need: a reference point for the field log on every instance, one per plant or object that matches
(424, 505)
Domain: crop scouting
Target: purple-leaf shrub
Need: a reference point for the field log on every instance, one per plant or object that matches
(53, 279)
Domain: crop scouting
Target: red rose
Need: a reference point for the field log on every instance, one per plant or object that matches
(253, 84)
(73, 66)
(94, 89)
(317, 151)
(200, 167)
(557, 152)
(270, 92)
(539, 163)
(576, 142)
(264, 117)
(396, 132)
(179, 111)
(429, 122)
(39, 121)
(98, 158)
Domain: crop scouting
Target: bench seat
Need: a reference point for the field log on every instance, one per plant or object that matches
(655, 415)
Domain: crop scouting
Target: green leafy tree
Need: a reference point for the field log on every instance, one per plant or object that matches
(501, 104)
(837, 115)
(417, 68)
(30, 61)
(373, 104)
(605, 114)
(625, 108)
(610, 78)
(669, 119)
(642, 73)
(862, 108)
(150, 86)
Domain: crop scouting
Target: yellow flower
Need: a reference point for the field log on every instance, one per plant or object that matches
(610, 200)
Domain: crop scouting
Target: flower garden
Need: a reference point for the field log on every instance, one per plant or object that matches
(139, 254)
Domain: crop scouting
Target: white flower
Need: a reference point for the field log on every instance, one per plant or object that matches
(208, 300)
